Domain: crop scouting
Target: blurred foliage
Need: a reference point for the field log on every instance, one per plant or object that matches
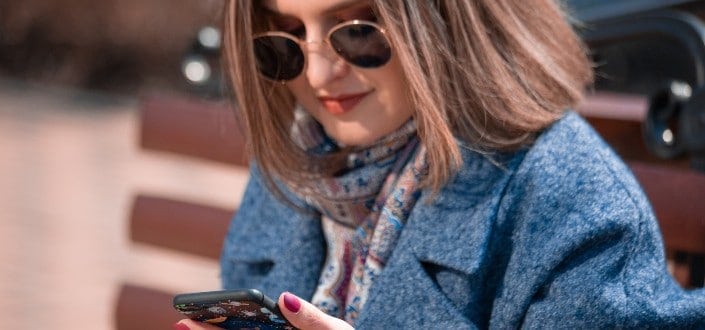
(119, 45)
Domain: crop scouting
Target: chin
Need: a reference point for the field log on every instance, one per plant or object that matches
(355, 141)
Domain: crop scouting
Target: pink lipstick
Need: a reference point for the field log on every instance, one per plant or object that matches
(341, 104)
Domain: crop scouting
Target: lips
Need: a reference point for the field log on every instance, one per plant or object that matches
(343, 103)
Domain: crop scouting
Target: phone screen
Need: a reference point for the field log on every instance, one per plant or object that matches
(232, 309)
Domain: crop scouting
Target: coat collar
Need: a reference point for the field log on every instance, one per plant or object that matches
(444, 230)
(451, 228)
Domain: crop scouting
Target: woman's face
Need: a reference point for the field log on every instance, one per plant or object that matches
(356, 106)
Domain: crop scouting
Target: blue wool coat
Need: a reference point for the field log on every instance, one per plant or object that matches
(559, 235)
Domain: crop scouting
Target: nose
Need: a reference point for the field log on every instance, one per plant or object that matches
(323, 66)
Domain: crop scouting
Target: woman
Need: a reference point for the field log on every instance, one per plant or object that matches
(415, 166)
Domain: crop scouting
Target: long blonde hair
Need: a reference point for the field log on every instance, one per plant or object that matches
(491, 73)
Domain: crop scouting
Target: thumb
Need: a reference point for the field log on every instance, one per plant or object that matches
(305, 316)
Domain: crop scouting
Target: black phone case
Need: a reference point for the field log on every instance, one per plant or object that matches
(232, 309)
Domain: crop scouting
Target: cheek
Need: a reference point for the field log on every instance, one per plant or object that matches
(303, 94)
(297, 87)
(396, 92)
(394, 81)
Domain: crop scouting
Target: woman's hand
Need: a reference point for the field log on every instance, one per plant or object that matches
(297, 311)
(305, 316)
(188, 324)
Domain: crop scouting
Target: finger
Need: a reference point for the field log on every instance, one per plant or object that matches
(188, 324)
(303, 315)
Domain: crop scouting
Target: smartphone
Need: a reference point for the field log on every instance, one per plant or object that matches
(232, 309)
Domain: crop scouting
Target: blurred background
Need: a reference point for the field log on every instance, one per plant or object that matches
(71, 76)
(112, 46)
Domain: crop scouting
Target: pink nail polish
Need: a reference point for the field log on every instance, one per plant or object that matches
(291, 302)
(181, 326)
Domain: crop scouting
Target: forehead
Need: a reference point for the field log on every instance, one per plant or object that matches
(310, 8)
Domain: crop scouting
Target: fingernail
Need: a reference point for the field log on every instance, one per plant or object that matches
(181, 326)
(291, 302)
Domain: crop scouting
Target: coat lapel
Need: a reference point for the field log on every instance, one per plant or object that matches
(453, 229)
(442, 252)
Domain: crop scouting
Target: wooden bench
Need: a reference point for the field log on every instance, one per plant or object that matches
(199, 129)
(209, 131)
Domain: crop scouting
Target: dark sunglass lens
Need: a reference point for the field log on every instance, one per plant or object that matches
(363, 45)
(278, 58)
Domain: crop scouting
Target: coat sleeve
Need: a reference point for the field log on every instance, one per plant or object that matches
(585, 251)
(264, 244)
(604, 274)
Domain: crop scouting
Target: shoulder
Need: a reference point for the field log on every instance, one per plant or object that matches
(259, 192)
(569, 172)
(570, 182)
(262, 211)
(263, 219)
(570, 160)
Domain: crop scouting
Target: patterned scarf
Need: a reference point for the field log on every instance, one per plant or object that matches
(363, 212)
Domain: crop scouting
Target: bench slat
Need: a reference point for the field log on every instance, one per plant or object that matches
(178, 225)
(201, 129)
(140, 308)
(618, 119)
(678, 198)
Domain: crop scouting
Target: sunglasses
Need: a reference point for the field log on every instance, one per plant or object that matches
(280, 55)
